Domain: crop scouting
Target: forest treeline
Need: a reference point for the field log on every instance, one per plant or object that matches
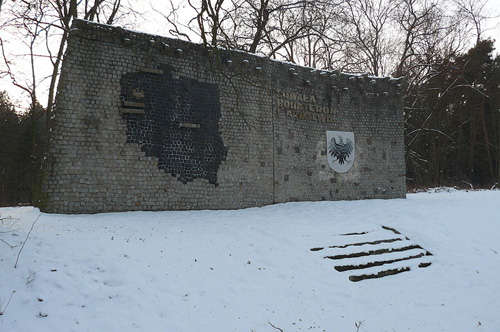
(22, 145)
(452, 76)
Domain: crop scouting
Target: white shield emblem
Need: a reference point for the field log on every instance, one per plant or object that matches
(340, 150)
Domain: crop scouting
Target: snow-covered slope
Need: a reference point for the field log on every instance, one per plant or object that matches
(244, 270)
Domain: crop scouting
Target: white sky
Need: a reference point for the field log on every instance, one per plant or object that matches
(493, 28)
(152, 22)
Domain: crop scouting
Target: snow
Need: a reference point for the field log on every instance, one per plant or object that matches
(241, 270)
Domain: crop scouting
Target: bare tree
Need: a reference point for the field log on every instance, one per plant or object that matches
(368, 38)
(473, 12)
(257, 26)
(266, 26)
(176, 27)
(44, 27)
(210, 17)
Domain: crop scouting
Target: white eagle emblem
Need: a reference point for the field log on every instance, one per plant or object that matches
(340, 150)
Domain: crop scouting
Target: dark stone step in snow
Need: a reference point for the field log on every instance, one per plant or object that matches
(359, 244)
(375, 252)
(381, 274)
(342, 268)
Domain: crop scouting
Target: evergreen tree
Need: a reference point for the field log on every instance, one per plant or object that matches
(458, 122)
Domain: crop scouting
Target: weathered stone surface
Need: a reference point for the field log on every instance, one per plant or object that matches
(220, 129)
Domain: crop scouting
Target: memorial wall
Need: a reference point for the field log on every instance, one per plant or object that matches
(144, 122)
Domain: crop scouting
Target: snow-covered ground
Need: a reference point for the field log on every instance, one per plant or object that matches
(244, 270)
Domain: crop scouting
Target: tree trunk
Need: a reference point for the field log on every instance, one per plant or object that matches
(489, 155)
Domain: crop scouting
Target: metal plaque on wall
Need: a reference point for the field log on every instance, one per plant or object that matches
(341, 150)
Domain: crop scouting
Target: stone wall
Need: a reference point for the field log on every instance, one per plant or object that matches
(145, 122)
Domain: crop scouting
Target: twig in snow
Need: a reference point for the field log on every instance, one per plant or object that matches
(277, 328)
(358, 325)
(9, 231)
(12, 221)
(24, 242)
(30, 278)
(10, 245)
(2, 307)
(3, 221)
(494, 186)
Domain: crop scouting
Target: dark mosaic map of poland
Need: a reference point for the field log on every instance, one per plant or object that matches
(178, 124)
